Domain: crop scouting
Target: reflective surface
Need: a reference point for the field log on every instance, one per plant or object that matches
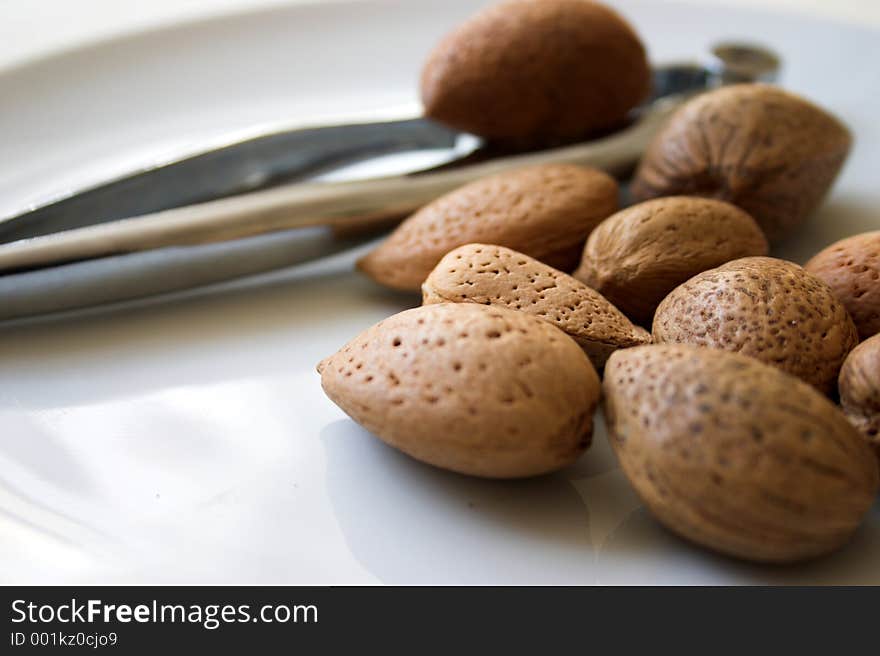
(189, 441)
(239, 165)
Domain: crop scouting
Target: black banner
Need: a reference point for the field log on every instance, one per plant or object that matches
(123, 620)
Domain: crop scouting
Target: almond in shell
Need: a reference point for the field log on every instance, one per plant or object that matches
(768, 151)
(767, 308)
(736, 455)
(537, 70)
(640, 254)
(544, 211)
(851, 267)
(859, 386)
(498, 276)
(479, 390)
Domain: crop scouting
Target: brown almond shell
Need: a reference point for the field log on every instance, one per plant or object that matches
(498, 276)
(736, 455)
(859, 386)
(768, 151)
(637, 256)
(851, 267)
(544, 211)
(537, 71)
(766, 308)
(479, 390)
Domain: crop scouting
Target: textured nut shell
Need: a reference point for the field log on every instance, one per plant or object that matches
(494, 275)
(536, 70)
(851, 267)
(475, 389)
(736, 455)
(639, 255)
(769, 309)
(859, 386)
(768, 151)
(543, 211)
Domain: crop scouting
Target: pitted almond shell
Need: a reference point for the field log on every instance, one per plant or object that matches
(767, 308)
(851, 267)
(498, 276)
(475, 389)
(736, 455)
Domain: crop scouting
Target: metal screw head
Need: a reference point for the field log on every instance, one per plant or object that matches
(735, 62)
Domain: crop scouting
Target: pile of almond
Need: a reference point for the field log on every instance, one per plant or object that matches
(717, 366)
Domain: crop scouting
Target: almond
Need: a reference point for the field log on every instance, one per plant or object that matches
(537, 70)
(851, 267)
(478, 390)
(770, 152)
(769, 309)
(859, 386)
(545, 211)
(494, 275)
(639, 255)
(736, 455)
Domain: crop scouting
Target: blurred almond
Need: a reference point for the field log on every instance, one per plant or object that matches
(859, 386)
(851, 267)
(768, 151)
(537, 70)
(544, 211)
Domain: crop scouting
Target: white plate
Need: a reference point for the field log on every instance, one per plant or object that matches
(189, 441)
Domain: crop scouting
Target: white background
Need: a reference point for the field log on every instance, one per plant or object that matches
(31, 27)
